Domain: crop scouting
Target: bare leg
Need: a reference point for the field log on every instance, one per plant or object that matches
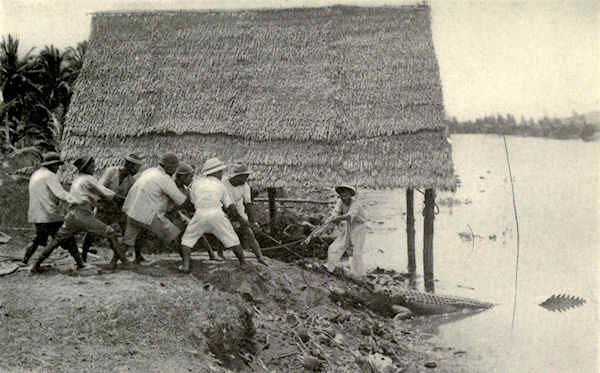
(185, 253)
(239, 253)
(252, 244)
(211, 253)
(118, 254)
(88, 239)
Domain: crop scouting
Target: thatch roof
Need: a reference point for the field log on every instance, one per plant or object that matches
(310, 95)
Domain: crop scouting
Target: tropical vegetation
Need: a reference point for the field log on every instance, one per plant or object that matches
(36, 92)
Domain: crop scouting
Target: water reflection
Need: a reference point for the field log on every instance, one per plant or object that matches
(559, 225)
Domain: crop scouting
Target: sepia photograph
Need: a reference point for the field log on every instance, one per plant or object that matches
(369, 186)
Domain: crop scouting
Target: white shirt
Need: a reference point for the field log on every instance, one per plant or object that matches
(45, 193)
(209, 193)
(150, 195)
(355, 210)
(86, 191)
(240, 195)
(110, 179)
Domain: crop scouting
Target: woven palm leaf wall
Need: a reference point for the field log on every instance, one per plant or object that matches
(304, 96)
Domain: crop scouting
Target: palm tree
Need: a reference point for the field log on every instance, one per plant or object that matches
(19, 90)
(53, 75)
(75, 57)
(15, 72)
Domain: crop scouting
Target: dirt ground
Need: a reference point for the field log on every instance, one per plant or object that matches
(153, 318)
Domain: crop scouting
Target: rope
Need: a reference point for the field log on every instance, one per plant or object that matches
(284, 246)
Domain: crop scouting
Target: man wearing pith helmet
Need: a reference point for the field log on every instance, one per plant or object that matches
(239, 191)
(119, 180)
(209, 196)
(148, 201)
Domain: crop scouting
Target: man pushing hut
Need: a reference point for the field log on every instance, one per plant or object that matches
(149, 200)
(183, 179)
(85, 191)
(45, 195)
(119, 180)
(209, 196)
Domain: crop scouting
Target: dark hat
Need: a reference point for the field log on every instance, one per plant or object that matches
(134, 158)
(339, 188)
(82, 162)
(170, 161)
(240, 170)
(184, 169)
(51, 158)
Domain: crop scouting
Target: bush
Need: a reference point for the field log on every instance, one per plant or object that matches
(14, 197)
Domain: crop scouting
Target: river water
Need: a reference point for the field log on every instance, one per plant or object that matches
(558, 205)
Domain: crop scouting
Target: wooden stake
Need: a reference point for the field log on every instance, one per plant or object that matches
(271, 193)
(428, 240)
(410, 230)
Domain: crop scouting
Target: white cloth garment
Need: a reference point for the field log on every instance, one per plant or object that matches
(150, 195)
(86, 191)
(352, 234)
(45, 194)
(209, 195)
(240, 195)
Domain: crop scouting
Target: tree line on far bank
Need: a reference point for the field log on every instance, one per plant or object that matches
(37, 89)
(577, 126)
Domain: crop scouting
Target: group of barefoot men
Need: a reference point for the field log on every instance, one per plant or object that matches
(140, 202)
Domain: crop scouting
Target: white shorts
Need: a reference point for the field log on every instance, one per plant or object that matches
(213, 221)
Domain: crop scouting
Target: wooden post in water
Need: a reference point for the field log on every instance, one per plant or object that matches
(428, 240)
(410, 231)
(271, 194)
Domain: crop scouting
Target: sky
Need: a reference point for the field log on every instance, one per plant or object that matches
(528, 58)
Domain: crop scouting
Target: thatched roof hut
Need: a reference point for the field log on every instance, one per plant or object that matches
(306, 95)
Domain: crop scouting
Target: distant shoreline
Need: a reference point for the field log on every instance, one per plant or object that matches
(584, 127)
(594, 136)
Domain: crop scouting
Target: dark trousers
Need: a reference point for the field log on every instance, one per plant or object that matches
(42, 232)
(78, 219)
(108, 216)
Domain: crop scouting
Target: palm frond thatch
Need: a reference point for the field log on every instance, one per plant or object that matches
(325, 93)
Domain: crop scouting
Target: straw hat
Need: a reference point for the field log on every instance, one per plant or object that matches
(212, 165)
(82, 162)
(339, 188)
(240, 170)
(134, 158)
(51, 158)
